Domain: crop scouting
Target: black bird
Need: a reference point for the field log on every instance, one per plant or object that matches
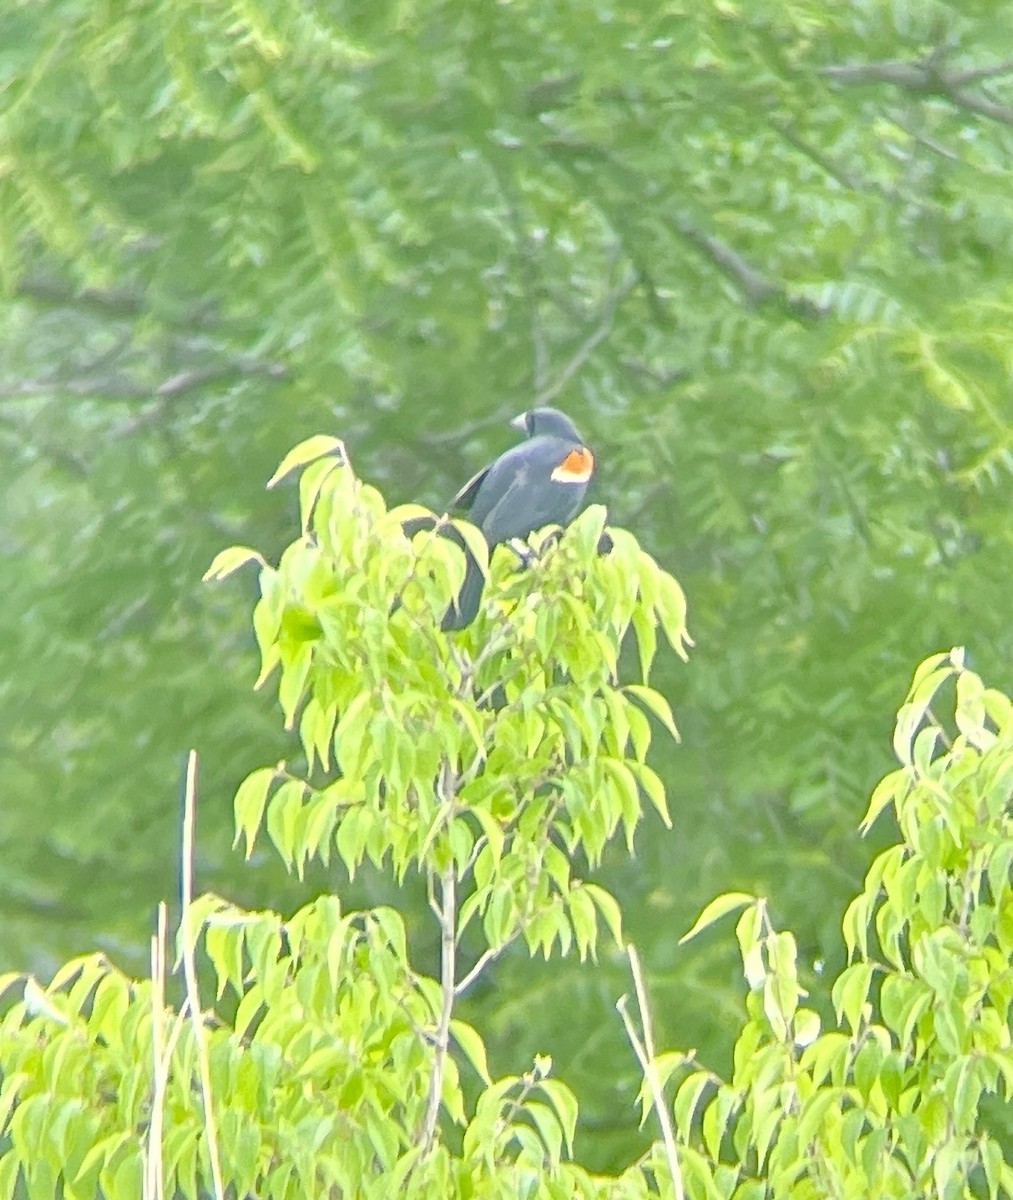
(539, 482)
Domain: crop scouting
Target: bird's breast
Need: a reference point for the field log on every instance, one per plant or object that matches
(576, 467)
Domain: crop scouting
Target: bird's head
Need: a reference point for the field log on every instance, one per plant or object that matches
(546, 422)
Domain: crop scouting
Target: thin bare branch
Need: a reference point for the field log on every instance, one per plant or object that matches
(584, 351)
(154, 1177)
(117, 387)
(117, 302)
(835, 170)
(187, 941)
(644, 1050)
(903, 74)
(448, 967)
(663, 377)
(927, 77)
(485, 958)
(975, 74)
(982, 105)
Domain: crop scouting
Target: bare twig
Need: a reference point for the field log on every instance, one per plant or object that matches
(162, 1049)
(117, 302)
(596, 336)
(461, 433)
(116, 387)
(154, 1179)
(982, 105)
(974, 74)
(927, 77)
(663, 377)
(24, 434)
(644, 1051)
(834, 170)
(913, 76)
(184, 381)
(188, 937)
(524, 242)
(485, 958)
(756, 287)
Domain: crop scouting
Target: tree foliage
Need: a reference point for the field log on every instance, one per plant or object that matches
(756, 250)
(487, 761)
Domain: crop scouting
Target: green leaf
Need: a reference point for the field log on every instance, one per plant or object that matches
(947, 1165)
(671, 609)
(549, 1130)
(353, 830)
(827, 1058)
(655, 789)
(311, 482)
(565, 1104)
(687, 1100)
(647, 641)
(850, 993)
(308, 450)
(992, 1162)
(748, 929)
(473, 1048)
(719, 907)
(715, 1118)
(584, 921)
(249, 804)
(10, 1088)
(882, 795)
(294, 676)
(225, 562)
(656, 703)
(609, 908)
(283, 819)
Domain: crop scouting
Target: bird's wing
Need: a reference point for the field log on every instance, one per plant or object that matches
(522, 493)
(465, 498)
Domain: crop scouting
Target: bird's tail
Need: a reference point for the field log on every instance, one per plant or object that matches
(464, 608)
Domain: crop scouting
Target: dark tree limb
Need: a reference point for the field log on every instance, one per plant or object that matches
(929, 78)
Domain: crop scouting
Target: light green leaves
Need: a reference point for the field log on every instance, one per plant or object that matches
(351, 616)
(307, 452)
(227, 561)
(717, 908)
(892, 1096)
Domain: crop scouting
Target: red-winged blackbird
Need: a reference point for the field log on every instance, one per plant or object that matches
(539, 482)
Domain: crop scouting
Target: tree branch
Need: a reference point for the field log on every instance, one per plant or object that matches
(116, 387)
(187, 940)
(117, 302)
(756, 287)
(586, 348)
(834, 170)
(441, 1040)
(974, 74)
(927, 77)
(644, 1051)
(490, 954)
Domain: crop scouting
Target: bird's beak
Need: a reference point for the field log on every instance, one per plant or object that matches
(521, 422)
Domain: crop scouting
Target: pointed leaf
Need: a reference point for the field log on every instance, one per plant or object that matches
(312, 448)
(473, 1047)
(225, 562)
(719, 907)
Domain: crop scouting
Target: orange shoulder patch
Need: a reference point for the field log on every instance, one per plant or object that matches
(576, 467)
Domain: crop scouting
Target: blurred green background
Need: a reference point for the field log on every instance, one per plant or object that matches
(759, 251)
